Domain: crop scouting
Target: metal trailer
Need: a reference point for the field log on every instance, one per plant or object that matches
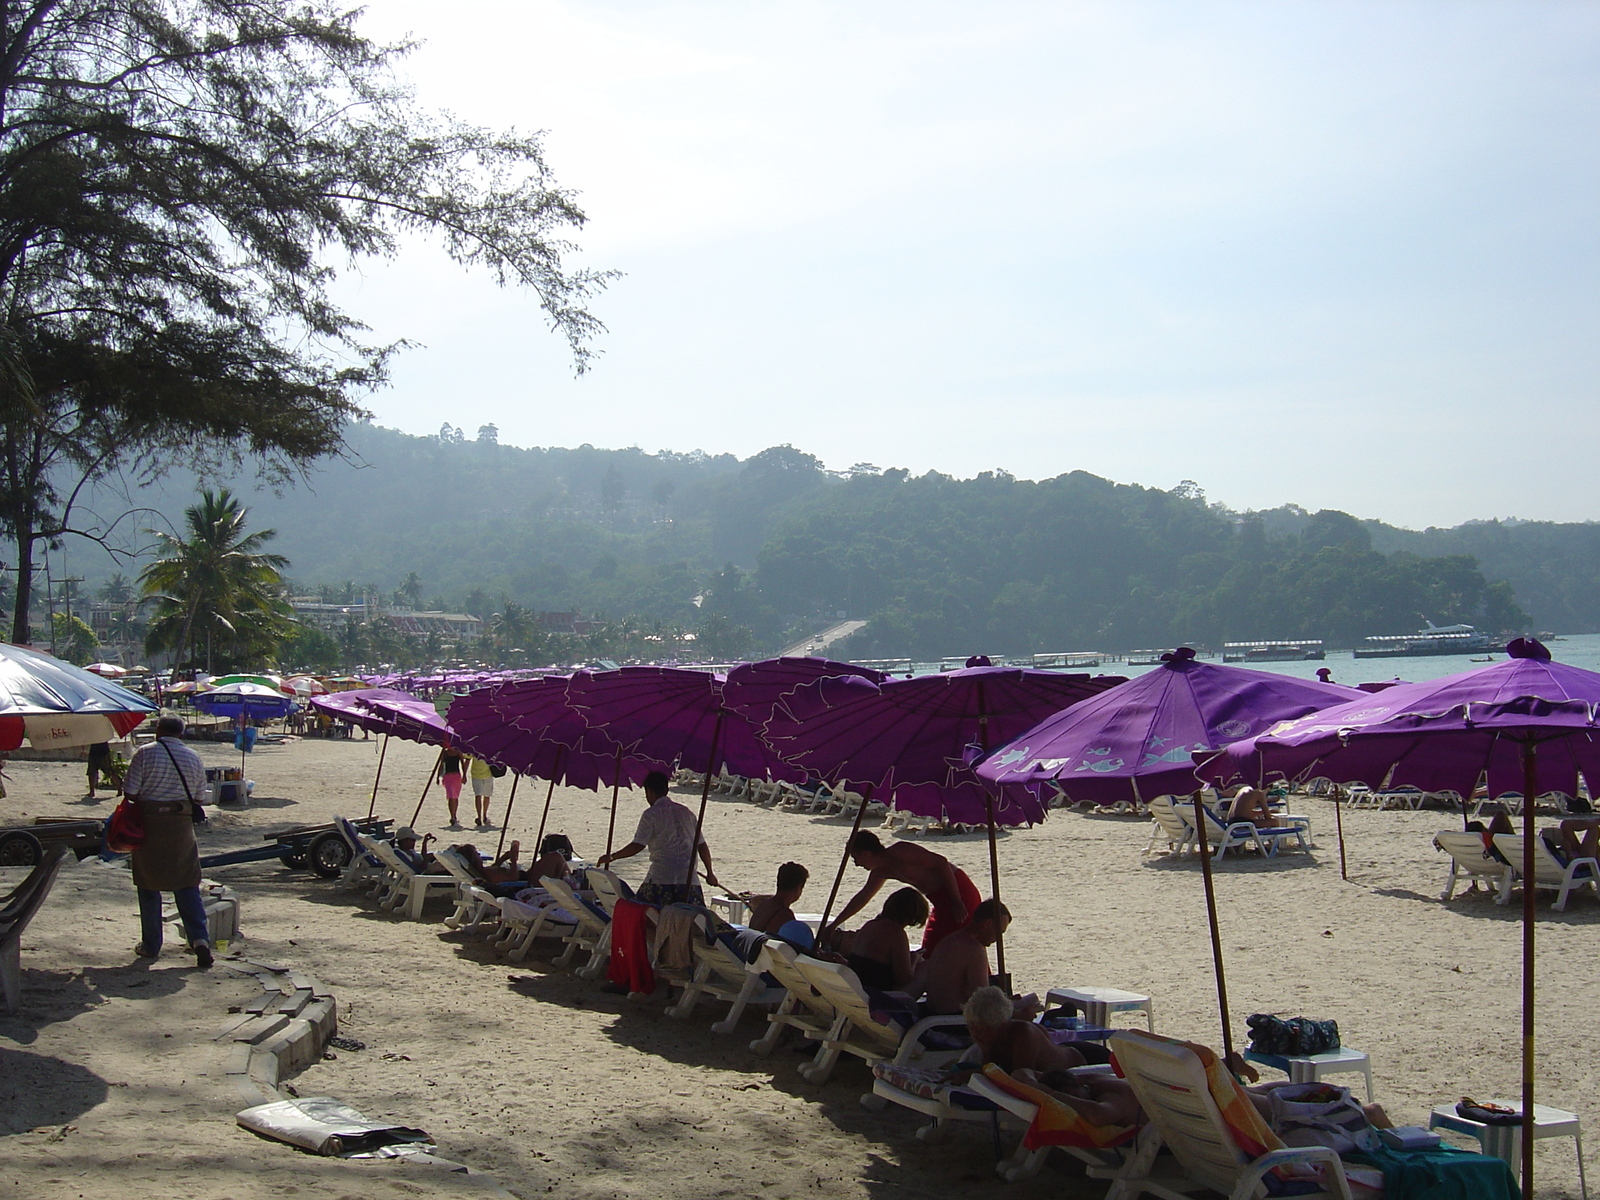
(321, 848)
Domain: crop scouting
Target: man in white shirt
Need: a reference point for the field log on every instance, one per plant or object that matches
(667, 830)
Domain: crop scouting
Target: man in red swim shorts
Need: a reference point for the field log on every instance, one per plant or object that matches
(950, 893)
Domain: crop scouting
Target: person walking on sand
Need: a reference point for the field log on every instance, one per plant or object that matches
(952, 895)
(164, 778)
(99, 764)
(667, 830)
(450, 773)
(482, 791)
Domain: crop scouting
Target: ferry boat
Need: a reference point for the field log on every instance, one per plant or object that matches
(1067, 661)
(1434, 640)
(1289, 650)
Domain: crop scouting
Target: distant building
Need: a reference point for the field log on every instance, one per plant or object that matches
(330, 618)
(565, 622)
(463, 627)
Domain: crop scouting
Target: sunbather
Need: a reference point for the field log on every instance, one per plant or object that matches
(555, 858)
(771, 913)
(1012, 1044)
(1576, 837)
(1252, 804)
(959, 965)
(1098, 1099)
(418, 858)
(880, 953)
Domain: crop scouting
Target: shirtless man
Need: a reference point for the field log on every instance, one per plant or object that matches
(946, 886)
(771, 913)
(959, 965)
(1011, 1044)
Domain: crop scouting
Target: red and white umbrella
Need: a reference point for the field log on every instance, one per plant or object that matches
(107, 670)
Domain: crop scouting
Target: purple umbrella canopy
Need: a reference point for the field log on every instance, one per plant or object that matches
(754, 689)
(529, 728)
(384, 710)
(1444, 734)
(1137, 739)
(671, 715)
(911, 740)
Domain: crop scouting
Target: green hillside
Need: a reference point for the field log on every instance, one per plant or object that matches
(778, 545)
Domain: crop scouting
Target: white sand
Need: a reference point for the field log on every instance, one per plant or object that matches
(553, 1087)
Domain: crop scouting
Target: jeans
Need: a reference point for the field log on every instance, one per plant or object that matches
(190, 907)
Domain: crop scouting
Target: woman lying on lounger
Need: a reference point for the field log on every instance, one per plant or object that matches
(552, 861)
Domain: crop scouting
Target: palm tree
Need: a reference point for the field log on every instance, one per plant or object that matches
(216, 582)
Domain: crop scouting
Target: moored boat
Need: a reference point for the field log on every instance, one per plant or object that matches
(1434, 640)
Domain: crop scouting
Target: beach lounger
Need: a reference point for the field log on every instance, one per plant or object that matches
(363, 867)
(1359, 795)
(406, 889)
(1197, 1112)
(803, 1008)
(1549, 873)
(591, 932)
(474, 902)
(16, 910)
(522, 922)
(1059, 1128)
(1470, 860)
(719, 972)
(856, 1031)
(1222, 836)
(1401, 797)
(1168, 822)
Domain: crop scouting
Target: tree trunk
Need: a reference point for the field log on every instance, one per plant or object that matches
(20, 632)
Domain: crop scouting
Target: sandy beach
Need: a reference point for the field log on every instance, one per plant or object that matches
(550, 1086)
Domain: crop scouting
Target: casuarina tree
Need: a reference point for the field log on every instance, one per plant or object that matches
(180, 183)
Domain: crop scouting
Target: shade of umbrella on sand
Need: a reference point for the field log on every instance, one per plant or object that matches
(1136, 741)
(1527, 723)
(910, 741)
(47, 702)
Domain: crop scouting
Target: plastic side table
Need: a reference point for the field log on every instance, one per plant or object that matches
(1310, 1068)
(1505, 1141)
(1098, 1003)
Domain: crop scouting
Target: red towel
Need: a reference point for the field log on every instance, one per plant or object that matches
(630, 950)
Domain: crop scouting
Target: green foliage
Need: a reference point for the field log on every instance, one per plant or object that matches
(73, 639)
(216, 590)
(307, 648)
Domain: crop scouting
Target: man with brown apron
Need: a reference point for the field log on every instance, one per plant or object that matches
(166, 778)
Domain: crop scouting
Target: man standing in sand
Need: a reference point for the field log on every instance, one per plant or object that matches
(951, 894)
(667, 830)
(164, 778)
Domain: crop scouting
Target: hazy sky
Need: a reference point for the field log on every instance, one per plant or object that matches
(1342, 254)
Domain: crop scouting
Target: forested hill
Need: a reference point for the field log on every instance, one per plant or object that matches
(938, 566)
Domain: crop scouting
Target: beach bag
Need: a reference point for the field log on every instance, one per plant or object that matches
(1320, 1114)
(125, 828)
(497, 770)
(1295, 1037)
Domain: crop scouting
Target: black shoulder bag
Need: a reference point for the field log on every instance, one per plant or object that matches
(197, 812)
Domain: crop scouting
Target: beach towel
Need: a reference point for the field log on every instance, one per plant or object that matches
(1443, 1173)
(1055, 1124)
(674, 931)
(630, 954)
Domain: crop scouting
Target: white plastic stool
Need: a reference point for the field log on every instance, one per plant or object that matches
(1505, 1141)
(1310, 1068)
(1098, 1003)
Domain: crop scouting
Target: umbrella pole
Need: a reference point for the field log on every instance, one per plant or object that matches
(439, 758)
(1530, 784)
(1338, 819)
(1002, 980)
(561, 752)
(616, 783)
(382, 750)
(844, 861)
(505, 825)
(1216, 931)
(705, 798)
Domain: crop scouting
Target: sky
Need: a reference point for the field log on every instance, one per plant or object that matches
(1339, 254)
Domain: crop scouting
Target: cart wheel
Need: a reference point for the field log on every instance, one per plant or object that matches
(19, 848)
(328, 855)
(291, 858)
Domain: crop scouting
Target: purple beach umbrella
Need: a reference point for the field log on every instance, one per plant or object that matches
(1528, 722)
(910, 741)
(393, 714)
(1136, 741)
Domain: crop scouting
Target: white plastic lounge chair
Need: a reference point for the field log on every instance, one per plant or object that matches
(1025, 1163)
(1267, 840)
(592, 931)
(1548, 873)
(1469, 860)
(1168, 822)
(722, 974)
(1359, 795)
(803, 1007)
(474, 902)
(16, 910)
(363, 867)
(406, 889)
(523, 922)
(1170, 1082)
(856, 1031)
(1401, 797)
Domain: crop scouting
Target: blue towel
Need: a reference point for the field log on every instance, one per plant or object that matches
(1442, 1174)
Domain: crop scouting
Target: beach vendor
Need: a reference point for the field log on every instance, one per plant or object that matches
(164, 778)
(951, 894)
(482, 791)
(667, 830)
